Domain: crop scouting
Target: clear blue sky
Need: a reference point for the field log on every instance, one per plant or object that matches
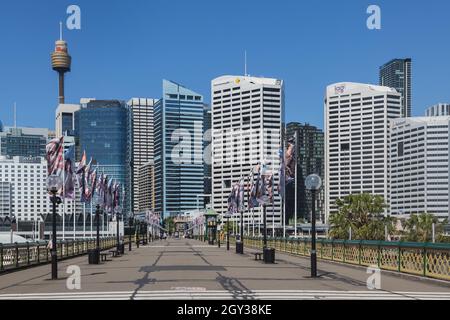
(126, 48)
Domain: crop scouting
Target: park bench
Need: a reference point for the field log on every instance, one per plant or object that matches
(114, 253)
(103, 256)
(258, 255)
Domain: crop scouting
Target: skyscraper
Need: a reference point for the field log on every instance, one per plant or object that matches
(179, 165)
(310, 151)
(65, 119)
(247, 120)
(357, 140)
(140, 145)
(420, 166)
(23, 142)
(5, 198)
(440, 109)
(397, 74)
(146, 185)
(207, 150)
(102, 128)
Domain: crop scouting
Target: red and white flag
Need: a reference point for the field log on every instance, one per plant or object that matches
(55, 156)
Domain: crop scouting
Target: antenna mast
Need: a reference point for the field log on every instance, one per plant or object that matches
(15, 115)
(245, 64)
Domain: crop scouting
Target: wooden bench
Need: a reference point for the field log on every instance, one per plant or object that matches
(258, 255)
(114, 253)
(103, 256)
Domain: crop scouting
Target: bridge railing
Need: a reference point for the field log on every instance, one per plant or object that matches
(423, 259)
(15, 256)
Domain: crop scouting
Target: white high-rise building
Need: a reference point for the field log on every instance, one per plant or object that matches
(438, 110)
(357, 140)
(420, 165)
(27, 177)
(141, 142)
(5, 199)
(247, 119)
(65, 119)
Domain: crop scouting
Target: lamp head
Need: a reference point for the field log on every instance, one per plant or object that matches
(313, 182)
(54, 183)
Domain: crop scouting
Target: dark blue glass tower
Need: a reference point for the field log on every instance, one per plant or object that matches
(102, 132)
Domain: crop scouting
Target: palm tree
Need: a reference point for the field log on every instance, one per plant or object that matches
(419, 228)
(363, 213)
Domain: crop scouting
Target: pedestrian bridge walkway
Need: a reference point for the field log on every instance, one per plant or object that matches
(189, 269)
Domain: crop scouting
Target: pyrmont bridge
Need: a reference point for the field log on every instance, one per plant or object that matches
(193, 269)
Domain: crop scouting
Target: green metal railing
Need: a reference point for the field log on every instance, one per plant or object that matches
(424, 259)
(16, 256)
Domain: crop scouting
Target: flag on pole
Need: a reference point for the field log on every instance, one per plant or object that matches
(69, 183)
(55, 156)
(290, 164)
(282, 176)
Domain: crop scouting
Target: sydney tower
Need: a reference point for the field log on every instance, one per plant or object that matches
(61, 62)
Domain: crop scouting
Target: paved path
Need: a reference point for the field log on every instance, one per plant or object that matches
(188, 269)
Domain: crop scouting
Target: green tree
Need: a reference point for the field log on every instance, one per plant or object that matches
(363, 213)
(419, 228)
(169, 225)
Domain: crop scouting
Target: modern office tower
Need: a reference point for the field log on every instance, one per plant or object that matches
(65, 119)
(141, 145)
(5, 198)
(102, 132)
(146, 183)
(23, 142)
(207, 153)
(178, 150)
(357, 140)
(311, 154)
(397, 74)
(61, 63)
(420, 165)
(247, 119)
(439, 110)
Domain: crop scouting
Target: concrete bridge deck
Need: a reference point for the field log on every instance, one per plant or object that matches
(188, 269)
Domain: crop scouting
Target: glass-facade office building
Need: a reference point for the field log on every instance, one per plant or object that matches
(23, 142)
(397, 74)
(311, 160)
(101, 127)
(179, 166)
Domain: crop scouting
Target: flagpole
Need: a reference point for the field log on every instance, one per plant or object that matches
(273, 200)
(84, 220)
(253, 222)
(296, 183)
(74, 220)
(92, 235)
(64, 196)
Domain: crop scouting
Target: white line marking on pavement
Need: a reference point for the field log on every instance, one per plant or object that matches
(192, 294)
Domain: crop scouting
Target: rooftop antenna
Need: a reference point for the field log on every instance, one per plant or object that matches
(60, 31)
(15, 115)
(245, 64)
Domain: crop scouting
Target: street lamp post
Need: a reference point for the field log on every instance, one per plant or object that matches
(118, 229)
(264, 227)
(97, 214)
(313, 183)
(228, 232)
(54, 184)
(130, 224)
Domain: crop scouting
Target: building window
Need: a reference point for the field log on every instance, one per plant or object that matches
(345, 147)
